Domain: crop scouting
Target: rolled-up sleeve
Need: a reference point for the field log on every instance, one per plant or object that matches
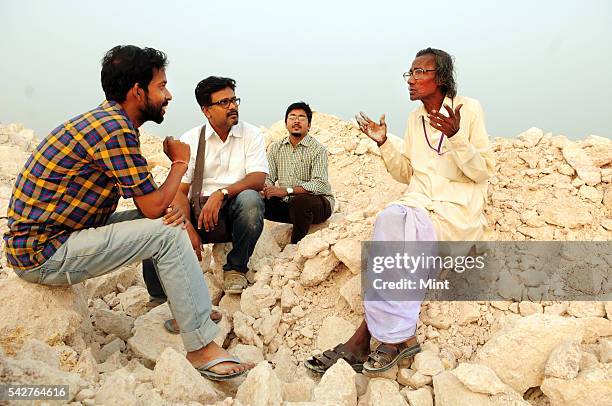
(470, 146)
(255, 160)
(120, 157)
(191, 137)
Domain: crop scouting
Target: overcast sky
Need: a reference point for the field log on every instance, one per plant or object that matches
(531, 63)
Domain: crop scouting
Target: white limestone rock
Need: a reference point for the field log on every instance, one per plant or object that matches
(480, 379)
(418, 397)
(428, 363)
(383, 392)
(39, 351)
(337, 385)
(112, 322)
(591, 387)
(311, 245)
(333, 331)
(87, 366)
(65, 312)
(261, 387)
(178, 381)
(257, 297)
(564, 361)
(349, 253)
(317, 269)
(518, 353)
(134, 301)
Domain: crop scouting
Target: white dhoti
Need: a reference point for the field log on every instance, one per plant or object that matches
(395, 321)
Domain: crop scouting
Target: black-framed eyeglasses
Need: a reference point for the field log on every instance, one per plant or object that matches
(417, 73)
(225, 103)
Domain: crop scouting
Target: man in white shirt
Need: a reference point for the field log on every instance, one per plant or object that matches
(235, 169)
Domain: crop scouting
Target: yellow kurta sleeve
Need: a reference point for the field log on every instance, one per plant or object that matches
(397, 163)
(470, 146)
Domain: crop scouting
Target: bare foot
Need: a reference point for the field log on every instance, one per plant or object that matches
(214, 316)
(211, 352)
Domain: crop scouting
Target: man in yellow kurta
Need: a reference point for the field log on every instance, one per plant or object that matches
(446, 163)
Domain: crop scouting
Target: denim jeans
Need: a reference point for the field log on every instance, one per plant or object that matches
(246, 212)
(128, 238)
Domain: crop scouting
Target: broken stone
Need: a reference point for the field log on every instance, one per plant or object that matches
(522, 366)
(333, 331)
(134, 301)
(65, 311)
(311, 245)
(428, 363)
(261, 387)
(349, 253)
(564, 361)
(112, 322)
(317, 269)
(383, 392)
(418, 397)
(337, 385)
(178, 381)
(480, 379)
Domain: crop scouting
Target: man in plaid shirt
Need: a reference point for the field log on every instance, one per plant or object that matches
(297, 190)
(62, 225)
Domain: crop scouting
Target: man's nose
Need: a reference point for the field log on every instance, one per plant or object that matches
(168, 95)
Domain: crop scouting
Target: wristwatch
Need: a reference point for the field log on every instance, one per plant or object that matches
(225, 193)
(289, 191)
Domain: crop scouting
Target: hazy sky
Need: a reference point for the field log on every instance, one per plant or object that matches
(530, 63)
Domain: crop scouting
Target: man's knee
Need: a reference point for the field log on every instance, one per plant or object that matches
(250, 206)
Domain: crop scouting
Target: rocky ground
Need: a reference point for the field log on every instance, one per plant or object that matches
(100, 338)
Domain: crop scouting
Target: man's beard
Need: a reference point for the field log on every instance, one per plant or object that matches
(151, 112)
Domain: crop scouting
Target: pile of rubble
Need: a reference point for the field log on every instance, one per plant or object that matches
(102, 340)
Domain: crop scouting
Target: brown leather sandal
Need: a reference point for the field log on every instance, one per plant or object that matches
(321, 363)
(385, 356)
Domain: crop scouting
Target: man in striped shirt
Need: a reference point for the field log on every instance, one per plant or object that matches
(297, 190)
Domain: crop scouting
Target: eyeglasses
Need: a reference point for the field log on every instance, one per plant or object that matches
(225, 103)
(301, 119)
(417, 74)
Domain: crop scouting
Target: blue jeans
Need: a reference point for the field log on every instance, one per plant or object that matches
(128, 238)
(246, 215)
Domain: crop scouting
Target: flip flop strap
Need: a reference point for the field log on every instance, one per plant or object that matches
(217, 361)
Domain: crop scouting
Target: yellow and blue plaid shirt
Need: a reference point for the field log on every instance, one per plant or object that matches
(72, 181)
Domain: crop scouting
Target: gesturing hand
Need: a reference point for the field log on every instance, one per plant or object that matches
(209, 216)
(376, 131)
(447, 125)
(176, 150)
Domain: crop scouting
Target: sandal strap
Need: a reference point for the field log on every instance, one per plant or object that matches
(217, 361)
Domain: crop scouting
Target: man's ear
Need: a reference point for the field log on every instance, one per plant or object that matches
(137, 91)
(205, 111)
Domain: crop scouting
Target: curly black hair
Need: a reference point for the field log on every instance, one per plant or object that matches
(125, 65)
(210, 85)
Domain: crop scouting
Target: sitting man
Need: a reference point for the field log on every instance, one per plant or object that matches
(235, 169)
(446, 163)
(298, 163)
(62, 229)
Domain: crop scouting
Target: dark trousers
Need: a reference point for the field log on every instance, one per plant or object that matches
(301, 211)
(245, 215)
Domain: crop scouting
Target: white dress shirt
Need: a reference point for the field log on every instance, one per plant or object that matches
(451, 186)
(225, 163)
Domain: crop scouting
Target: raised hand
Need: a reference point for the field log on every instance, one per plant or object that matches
(176, 150)
(449, 126)
(376, 131)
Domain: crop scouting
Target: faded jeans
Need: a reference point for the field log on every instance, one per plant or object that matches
(128, 238)
(246, 215)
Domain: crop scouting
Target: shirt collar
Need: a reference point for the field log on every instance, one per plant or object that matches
(306, 141)
(111, 105)
(235, 131)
